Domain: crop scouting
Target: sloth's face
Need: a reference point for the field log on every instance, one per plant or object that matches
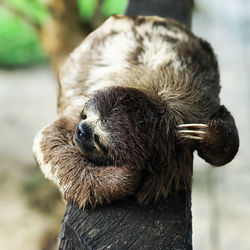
(119, 126)
(91, 136)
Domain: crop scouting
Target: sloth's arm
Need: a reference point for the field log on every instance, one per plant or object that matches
(217, 141)
(79, 180)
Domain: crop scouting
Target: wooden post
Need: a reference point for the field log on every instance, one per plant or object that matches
(125, 224)
(180, 10)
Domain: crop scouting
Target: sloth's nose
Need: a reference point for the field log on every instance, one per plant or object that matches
(83, 131)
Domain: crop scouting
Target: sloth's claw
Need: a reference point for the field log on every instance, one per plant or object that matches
(193, 125)
(191, 137)
(195, 131)
(192, 132)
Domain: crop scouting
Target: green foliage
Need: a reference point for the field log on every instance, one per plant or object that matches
(87, 8)
(108, 7)
(34, 9)
(111, 7)
(19, 41)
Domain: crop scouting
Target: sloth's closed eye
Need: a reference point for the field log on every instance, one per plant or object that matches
(99, 144)
(83, 116)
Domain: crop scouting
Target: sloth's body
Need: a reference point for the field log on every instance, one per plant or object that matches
(154, 55)
(123, 93)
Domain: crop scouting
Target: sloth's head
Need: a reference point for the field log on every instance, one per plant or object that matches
(121, 126)
(124, 144)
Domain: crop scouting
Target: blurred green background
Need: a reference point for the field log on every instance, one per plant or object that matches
(20, 21)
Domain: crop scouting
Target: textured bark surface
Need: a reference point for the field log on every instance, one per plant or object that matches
(126, 225)
(180, 10)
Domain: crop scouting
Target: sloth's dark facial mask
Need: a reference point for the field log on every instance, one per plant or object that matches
(89, 140)
(118, 126)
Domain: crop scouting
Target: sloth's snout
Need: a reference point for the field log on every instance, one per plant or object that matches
(83, 131)
(84, 137)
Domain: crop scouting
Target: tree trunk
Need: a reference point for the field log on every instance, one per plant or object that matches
(180, 10)
(125, 224)
(63, 32)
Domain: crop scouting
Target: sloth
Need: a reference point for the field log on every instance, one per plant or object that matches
(136, 99)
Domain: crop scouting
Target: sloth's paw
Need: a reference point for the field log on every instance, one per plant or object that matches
(196, 131)
(218, 140)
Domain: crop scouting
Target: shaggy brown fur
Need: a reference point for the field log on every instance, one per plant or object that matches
(83, 182)
(130, 84)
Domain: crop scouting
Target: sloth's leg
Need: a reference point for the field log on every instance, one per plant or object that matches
(217, 141)
(81, 181)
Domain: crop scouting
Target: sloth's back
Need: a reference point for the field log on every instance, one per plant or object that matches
(148, 53)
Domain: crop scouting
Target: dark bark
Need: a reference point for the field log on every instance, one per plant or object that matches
(180, 10)
(126, 224)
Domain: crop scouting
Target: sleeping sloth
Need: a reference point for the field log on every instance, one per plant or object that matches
(136, 99)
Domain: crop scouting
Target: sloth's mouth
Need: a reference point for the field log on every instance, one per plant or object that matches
(85, 147)
(91, 153)
(101, 161)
